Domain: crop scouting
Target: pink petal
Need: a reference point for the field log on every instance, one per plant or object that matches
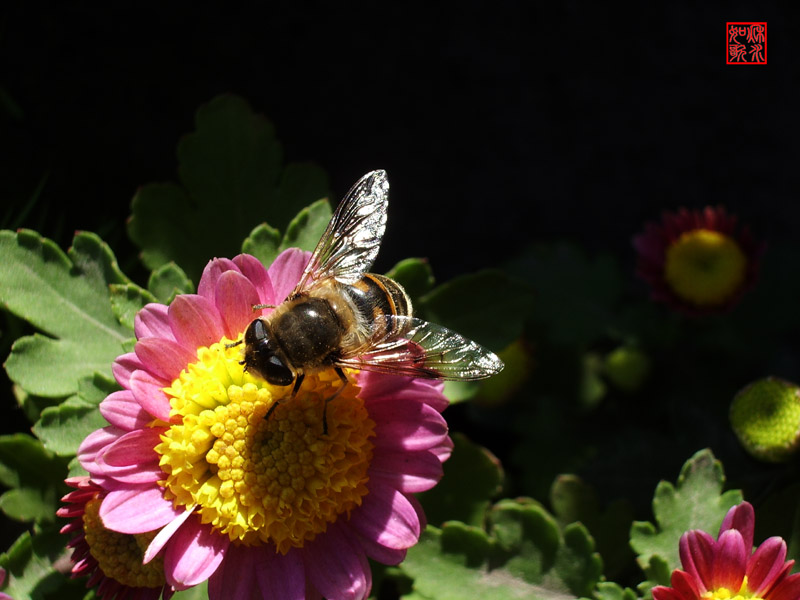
(137, 509)
(378, 387)
(766, 565)
(165, 534)
(697, 555)
(387, 517)
(741, 517)
(337, 566)
(235, 298)
(685, 585)
(407, 426)
(152, 321)
(789, 589)
(132, 458)
(417, 506)
(252, 268)
(730, 561)
(96, 442)
(283, 576)
(208, 280)
(443, 450)
(193, 554)
(148, 391)
(384, 555)
(407, 471)
(121, 410)
(258, 572)
(124, 366)
(236, 576)
(195, 321)
(661, 592)
(285, 272)
(163, 358)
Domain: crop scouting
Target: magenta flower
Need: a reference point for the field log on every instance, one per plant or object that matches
(111, 560)
(696, 261)
(727, 568)
(261, 507)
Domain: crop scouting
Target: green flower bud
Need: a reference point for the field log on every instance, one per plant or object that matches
(627, 368)
(765, 416)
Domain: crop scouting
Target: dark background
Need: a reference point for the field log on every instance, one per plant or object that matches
(499, 123)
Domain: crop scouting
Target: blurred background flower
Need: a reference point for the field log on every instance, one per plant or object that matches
(696, 261)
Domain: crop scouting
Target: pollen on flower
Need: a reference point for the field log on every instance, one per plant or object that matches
(705, 267)
(258, 471)
(119, 555)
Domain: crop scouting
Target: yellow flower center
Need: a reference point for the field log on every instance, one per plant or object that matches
(262, 479)
(120, 555)
(705, 267)
(726, 594)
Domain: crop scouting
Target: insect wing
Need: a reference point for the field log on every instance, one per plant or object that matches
(352, 239)
(426, 350)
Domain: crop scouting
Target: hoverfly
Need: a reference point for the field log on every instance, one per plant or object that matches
(341, 316)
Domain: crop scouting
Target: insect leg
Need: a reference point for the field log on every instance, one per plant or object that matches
(297, 383)
(345, 381)
(260, 306)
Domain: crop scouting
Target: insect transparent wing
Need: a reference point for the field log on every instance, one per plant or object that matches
(352, 239)
(427, 350)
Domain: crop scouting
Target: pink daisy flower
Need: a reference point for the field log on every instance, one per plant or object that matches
(727, 568)
(111, 560)
(696, 261)
(261, 507)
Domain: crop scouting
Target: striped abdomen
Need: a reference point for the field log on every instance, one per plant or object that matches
(374, 296)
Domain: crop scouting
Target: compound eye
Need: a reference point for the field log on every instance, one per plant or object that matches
(256, 332)
(276, 372)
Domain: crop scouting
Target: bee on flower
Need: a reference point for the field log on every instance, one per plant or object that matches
(263, 438)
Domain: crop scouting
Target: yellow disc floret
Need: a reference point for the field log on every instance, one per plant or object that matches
(254, 461)
(705, 267)
(724, 593)
(120, 555)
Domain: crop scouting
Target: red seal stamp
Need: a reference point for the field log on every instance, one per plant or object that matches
(746, 43)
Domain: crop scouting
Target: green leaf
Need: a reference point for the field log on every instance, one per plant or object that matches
(62, 428)
(304, 231)
(231, 176)
(264, 242)
(66, 297)
(488, 306)
(472, 477)
(695, 502)
(415, 275)
(167, 281)
(575, 295)
(31, 565)
(575, 501)
(126, 300)
(198, 592)
(564, 561)
(307, 227)
(35, 477)
(608, 590)
(524, 555)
